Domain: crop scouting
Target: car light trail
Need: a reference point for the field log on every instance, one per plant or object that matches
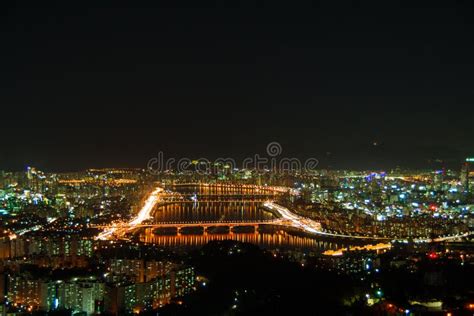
(307, 224)
(295, 220)
(143, 215)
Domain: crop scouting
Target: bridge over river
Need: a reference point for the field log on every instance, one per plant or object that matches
(285, 218)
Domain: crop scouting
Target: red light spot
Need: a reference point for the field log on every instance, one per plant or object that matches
(433, 255)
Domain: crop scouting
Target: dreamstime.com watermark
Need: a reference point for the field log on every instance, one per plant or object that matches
(273, 161)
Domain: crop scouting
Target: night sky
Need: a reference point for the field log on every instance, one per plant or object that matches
(223, 78)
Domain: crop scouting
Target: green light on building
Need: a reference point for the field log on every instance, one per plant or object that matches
(469, 159)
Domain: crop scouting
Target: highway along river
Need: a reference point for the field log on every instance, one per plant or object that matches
(198, 214)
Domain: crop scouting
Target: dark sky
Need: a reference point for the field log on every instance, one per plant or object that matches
(223, 78)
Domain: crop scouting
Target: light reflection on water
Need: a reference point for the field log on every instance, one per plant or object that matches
(211, 212)
(270, 240)
(211, 208)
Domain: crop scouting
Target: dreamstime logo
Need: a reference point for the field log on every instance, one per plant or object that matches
(203, 166)
(274, 149)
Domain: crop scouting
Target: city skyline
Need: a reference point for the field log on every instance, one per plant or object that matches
(120, 241)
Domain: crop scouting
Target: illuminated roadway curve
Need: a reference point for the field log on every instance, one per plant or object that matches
(306, 224)
(314, 227)
(143, 214)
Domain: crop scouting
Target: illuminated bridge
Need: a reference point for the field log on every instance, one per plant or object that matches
(251, 189)
(200, 224)
(201, 199)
